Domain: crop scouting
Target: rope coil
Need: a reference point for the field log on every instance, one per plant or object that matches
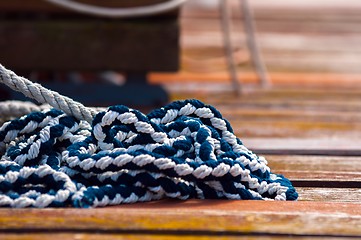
(183, 150)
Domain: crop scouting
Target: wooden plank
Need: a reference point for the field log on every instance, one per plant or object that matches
(248, 129)
(295, 94)
(315, 163)
(288, 145)
(293, 38)
(286, 27)
(207, 46)
(313, 62)
(96, 236)
(251, 218)
(345, 195)
(289, 115)
(283, 103)
(116, 45)
(319, 171)
(322, 116)
(299, 150)
(315, 10)
(306, 46)
(294, 104)
(189, 80)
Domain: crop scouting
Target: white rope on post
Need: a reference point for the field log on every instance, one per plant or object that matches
(43, 95)
(141, 11)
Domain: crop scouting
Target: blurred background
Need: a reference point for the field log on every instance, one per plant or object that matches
(310, 51)
(310, 42)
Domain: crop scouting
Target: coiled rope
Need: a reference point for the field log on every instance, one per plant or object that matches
(75, 156)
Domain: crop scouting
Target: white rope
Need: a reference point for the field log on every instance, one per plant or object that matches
(43, 95)
(13, 109)
(119, 12)
(183, 150)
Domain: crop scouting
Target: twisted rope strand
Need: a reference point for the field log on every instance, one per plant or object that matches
(9, 109)
(43, 95)
(53, 158)
(183, 150)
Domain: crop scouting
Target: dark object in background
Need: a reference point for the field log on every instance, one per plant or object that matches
(4, 93)
(37, 36)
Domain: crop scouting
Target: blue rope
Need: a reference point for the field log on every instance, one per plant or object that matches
(183, 150)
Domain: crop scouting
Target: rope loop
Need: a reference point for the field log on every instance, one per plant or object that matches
(183, 150)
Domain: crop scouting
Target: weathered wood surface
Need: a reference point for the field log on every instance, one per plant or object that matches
(344, 195)
(306, 133)
(319, 171)
(79, 236)
(302, 36)
(321, 212)
(329, 186)
(217, 79)
(289, 118)
(317, 167)
(195, 217)
(151, 237)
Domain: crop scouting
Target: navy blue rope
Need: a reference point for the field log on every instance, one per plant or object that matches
(183, 150)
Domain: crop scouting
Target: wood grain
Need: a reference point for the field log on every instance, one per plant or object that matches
(325, 171)
(337, 146)
(345, 195)
(195, 217)
(313, 112)
(312, 115)
(278, 78)
(313, 36)
(81, 236)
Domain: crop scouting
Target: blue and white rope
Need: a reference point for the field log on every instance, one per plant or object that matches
(183, 150)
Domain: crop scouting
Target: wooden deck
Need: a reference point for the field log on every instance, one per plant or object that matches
(307, 125)
(303, 43)
(295, 36)
(309, 135)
